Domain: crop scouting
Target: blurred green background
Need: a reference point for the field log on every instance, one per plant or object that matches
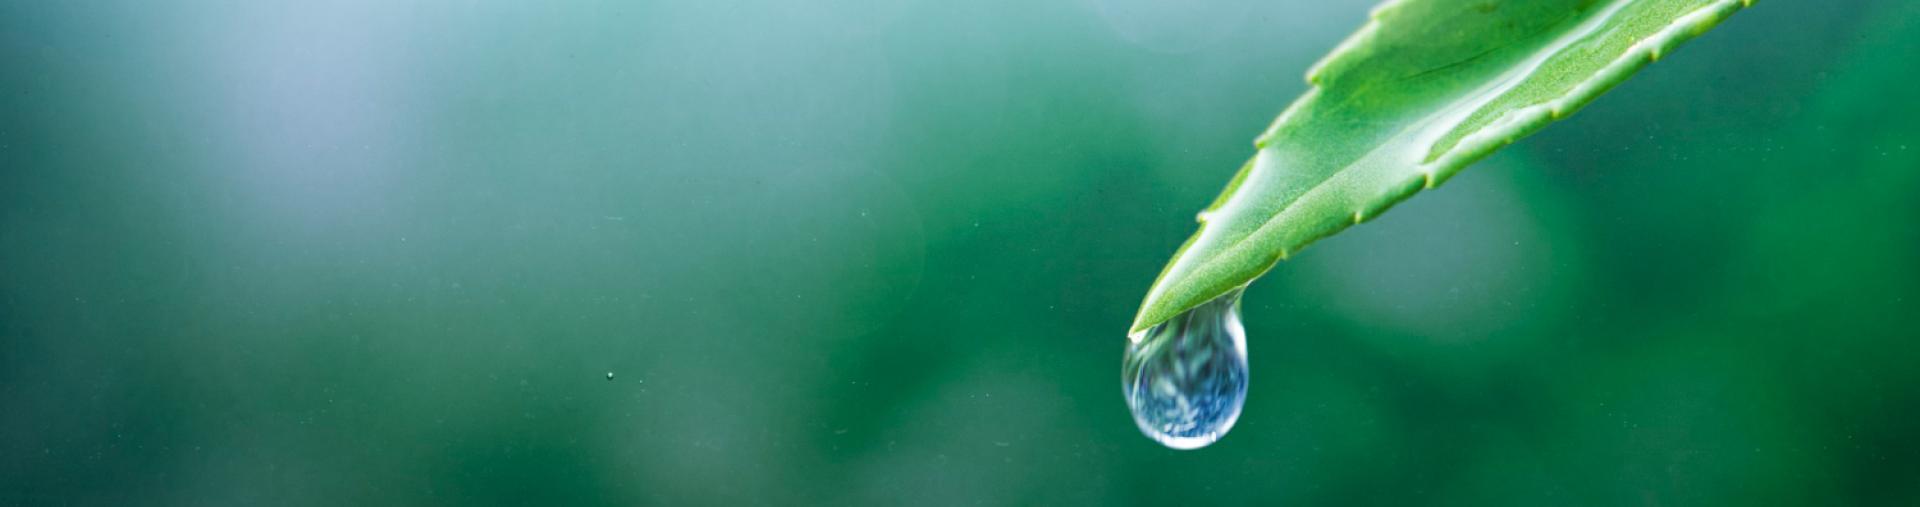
(883, 252)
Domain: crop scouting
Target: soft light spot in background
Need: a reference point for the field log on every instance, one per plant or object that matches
(314, 106)
(1472, 266)
(1175, 26)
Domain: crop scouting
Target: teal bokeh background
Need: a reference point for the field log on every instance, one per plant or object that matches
(884, 253)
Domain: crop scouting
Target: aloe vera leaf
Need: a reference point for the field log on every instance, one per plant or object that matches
(1424, 89)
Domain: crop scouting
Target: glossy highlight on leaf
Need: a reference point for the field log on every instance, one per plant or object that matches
(1424, 89)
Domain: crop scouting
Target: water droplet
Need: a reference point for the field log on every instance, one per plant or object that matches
(1186, 378)
(609, 375)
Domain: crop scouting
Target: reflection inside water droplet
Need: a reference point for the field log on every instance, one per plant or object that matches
(1186, 378)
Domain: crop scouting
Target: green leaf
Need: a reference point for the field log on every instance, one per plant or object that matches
(1424, 89)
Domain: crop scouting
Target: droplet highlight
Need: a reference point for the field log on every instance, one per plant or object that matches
(1186, 379)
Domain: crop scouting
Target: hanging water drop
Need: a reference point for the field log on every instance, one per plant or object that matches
(1186, 378)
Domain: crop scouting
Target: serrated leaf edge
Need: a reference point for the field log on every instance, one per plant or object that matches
(1506, 129)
